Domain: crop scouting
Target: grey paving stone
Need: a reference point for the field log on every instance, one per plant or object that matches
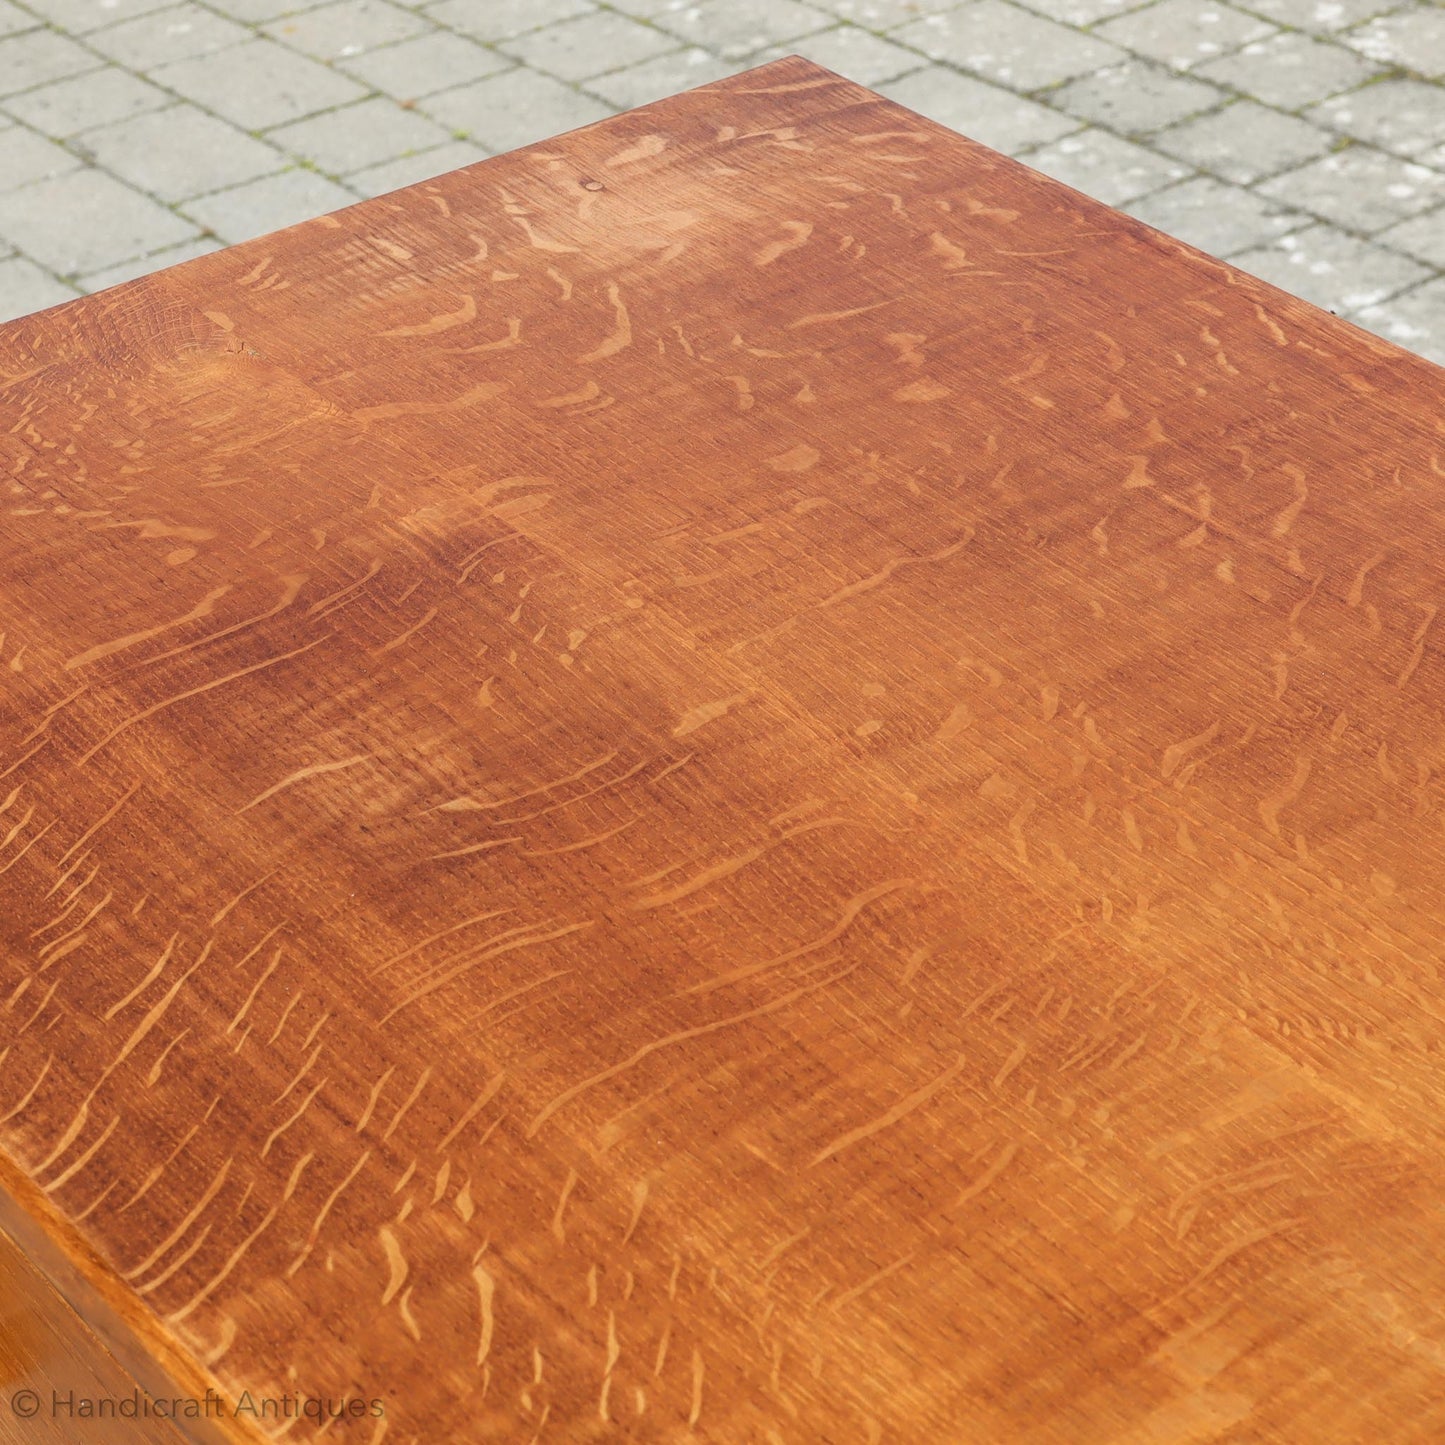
(268, 204)
(84, 220)
(99, 98)
(180, 152)
(256, 12)
(332, 32)
(1245, 141)
(1007, 45)
(1184, 33)
(355, 136)
(734, 28)
(167, 35)
(1217, 218)
(1338, 272)
(26, 157)
(1413, 37)
(876, 14)
(38, 57)
(1360, 189)
(849, 50)
(1320, 17)
(1404, 116)
(25, 288)
(588, 45)
(1136, 97)
(78, 16)
(654, 79)
(1422, 237)
(514, 109)
(145, 265)
(1290, 70)
(411, 170)
(13, 19)
(1104, 167)
(425, 65)
(501, 19)
(1081, 12)
(646, 9)
(1415, 320)
(994, 117)
(259, 84)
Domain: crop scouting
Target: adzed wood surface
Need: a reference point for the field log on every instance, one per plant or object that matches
(750, 776)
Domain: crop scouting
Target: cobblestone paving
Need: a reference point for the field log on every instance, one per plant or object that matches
(1303, 140)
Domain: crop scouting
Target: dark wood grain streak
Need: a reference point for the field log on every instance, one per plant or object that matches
(748, 776)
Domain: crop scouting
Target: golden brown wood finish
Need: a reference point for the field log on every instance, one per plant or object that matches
(52, 1363)
(750, 776)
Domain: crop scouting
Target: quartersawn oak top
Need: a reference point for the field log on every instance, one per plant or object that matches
(748, 776)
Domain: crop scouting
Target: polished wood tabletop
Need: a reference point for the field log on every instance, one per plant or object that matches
(750, 776)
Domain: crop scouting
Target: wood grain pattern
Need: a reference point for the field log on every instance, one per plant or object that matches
(749, 776)
(50, 1357)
